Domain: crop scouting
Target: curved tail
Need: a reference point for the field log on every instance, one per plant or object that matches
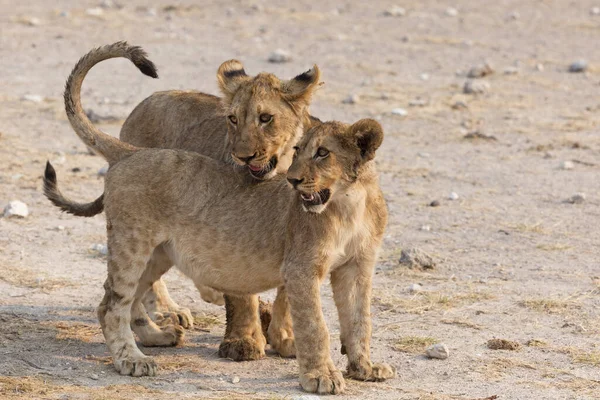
(56, 197)
(107, 146)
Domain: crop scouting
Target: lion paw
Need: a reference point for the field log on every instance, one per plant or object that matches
(144, 366)
(327, 380)
(284, 346)
(372, 372)
(242, 349)
(182, 316)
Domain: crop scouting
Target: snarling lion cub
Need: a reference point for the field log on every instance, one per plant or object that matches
(331, 222)
(254, 126)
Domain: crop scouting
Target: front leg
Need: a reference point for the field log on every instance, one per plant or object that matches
(352, 294)
(318, 374)
(280, 332)
(243, 339)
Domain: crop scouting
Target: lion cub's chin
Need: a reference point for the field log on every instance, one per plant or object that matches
(315, 202)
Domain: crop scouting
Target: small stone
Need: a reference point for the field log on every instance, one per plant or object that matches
(60, 159)
(279, 56)
(578, 66)
(60, 228)
(434, 203)
(476, 87)
(235, 379)
(76, 169)
(415, 288)
(595, 11)
(451, 12)
(102, 171)
(422, 154)
(351, 99)
(416, 258)
(481, 70)
(514, 15)
(30, 21)
(306, 397)
(400, 111)
(96, 11)
(502, 344)
(477, 134)
(424, 76)
(567, 165)
(438, 350)
(101, 249)
(151, 12)
(577, 198)
(395, 12)
(425, 228)
(107, 4)
(511, 71)
(460, 105)
(16, 209)
(34, 98)
(539, 67)
(453, 196)
(94, 377)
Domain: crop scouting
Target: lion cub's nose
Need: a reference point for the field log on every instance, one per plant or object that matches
(246, 159)
(295, 182)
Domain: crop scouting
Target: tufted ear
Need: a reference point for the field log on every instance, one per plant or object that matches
(301, 88)
(368, 135)
(230, 76)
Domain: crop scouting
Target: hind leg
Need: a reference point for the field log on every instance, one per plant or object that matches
(149, 333)
(128, 255)
(158, 303)
(244, 339)
(281, 332)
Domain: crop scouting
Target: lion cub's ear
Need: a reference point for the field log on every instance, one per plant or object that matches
(301, 88)
(368, 135)
(230, 75)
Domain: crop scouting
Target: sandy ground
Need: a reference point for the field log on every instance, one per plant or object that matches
(515, 260)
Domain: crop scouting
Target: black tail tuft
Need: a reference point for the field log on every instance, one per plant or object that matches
(139, 57)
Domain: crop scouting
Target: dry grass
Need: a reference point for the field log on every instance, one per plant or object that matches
(22, 277)
(530, 228)
(536, 343)
(206, 321)
(554, 247)
(77, 331)
(581, 356)
(428, 301)
(462, 323)
(550, 306)
(414, 344)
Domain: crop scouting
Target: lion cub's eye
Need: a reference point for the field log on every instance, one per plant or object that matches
(322, 152)
(264, 118)
(233, 119)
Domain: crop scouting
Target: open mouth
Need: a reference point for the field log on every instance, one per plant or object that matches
(260, 172)
(316, 198)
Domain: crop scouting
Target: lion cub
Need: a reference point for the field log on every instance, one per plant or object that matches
(242, 239)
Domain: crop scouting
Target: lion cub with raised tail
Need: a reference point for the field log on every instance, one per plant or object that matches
(328, 217)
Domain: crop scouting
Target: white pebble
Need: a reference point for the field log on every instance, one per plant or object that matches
(566, 165)
(280, 56)
(476, 87)
(101, 249)
(102, 171)
(577, 198)
(424, 76)
(438, 350)
(31, 21)
(60, 228)
(306, 397)
(17, 209)
(235, 379)
(540, 67)
(453, 196)
(96, 11)
(351, 99)
(595, 11)
(395, 12)
(426, 228)
(35, 98)
(422, 154)
(481, 70)
(94, 377)
(451, 11)
(415, 288)
(400, 111)
(511, 71)
(514, 15)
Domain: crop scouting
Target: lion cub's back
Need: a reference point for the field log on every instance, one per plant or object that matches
(160, 119)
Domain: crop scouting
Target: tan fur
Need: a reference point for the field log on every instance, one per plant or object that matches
(214, 229)
(195, 121)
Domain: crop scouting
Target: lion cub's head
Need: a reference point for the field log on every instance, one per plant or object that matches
(265, 116)
(329, 159)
